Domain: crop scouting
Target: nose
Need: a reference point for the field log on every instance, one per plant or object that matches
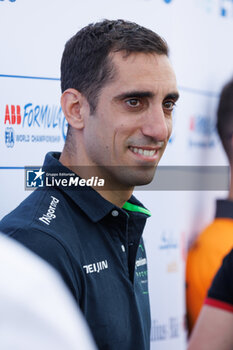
(157, 125)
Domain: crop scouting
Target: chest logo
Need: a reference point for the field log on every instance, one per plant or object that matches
(96, 267)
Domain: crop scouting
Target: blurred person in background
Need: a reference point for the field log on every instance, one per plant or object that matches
(213, 329)
(213, 244)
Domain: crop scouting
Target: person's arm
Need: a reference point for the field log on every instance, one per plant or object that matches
(214, 327)
(213, 330)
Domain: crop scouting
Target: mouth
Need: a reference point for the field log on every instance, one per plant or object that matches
(145, 153)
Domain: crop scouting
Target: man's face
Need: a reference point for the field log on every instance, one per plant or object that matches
(128, 133)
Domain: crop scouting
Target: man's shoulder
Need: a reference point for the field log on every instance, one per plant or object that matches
(42, 211)
(44, 215)
(23, 224)
(27, 213)
(24, 214)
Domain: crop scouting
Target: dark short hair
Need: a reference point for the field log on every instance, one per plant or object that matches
(225, 118)
(85, 64)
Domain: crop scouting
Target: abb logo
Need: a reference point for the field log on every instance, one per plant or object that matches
(12, 115)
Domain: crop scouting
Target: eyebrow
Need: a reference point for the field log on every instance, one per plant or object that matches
(172, 96)
(134, 93)
(141, 94)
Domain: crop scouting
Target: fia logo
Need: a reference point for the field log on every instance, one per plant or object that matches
(34, 178)
(9, 137)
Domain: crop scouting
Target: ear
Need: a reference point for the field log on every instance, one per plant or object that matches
(75, 108)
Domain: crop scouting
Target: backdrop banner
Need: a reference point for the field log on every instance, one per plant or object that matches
(199, 33)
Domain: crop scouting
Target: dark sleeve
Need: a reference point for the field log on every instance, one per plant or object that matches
(221, 290)
(53, 251)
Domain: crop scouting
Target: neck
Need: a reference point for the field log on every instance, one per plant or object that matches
(111, 191)
(116, 197)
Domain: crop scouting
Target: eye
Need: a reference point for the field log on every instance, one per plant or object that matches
(169, 105)
(133, 102)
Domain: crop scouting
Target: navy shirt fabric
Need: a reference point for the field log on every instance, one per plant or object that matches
(222, 285)
(98, 249)
(220, 293)
(224, 209)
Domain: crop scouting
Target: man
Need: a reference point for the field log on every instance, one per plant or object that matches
(37, 310)
(119, 91)
(206, 254)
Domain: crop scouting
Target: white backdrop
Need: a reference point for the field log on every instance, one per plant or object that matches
(199, 34)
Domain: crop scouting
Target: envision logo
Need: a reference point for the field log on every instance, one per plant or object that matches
(9, 0)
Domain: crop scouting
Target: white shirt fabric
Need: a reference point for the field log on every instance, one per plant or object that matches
(36, 309)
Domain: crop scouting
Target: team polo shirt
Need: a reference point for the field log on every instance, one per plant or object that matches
(98, 249)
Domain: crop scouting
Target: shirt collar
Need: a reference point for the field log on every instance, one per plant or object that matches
(224, 209)
(90, 201)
